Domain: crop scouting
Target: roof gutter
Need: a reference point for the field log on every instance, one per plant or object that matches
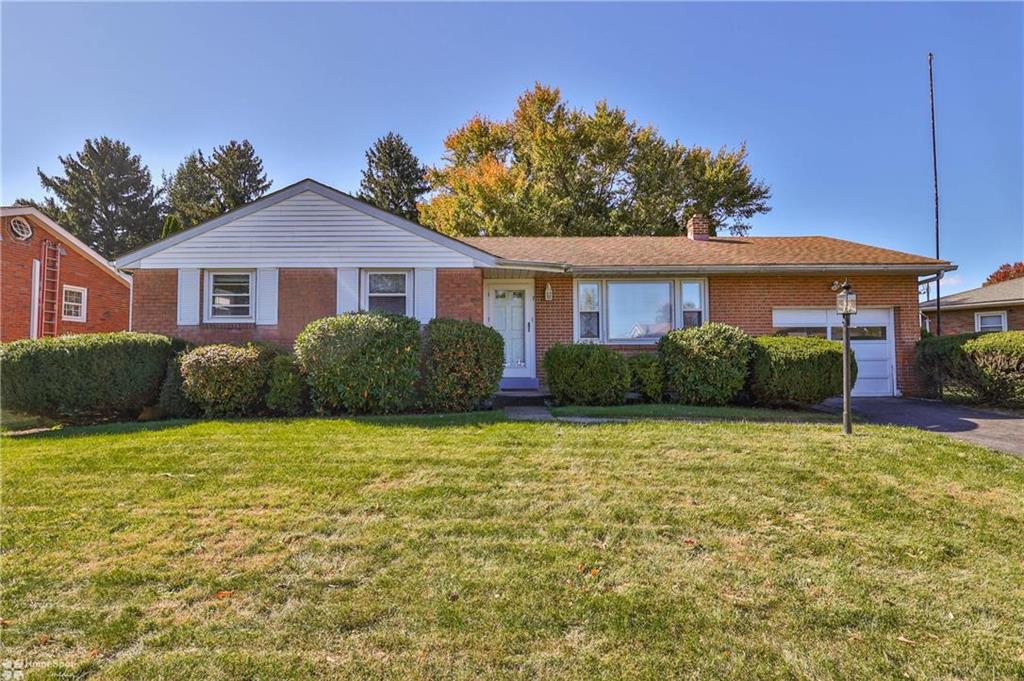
(763, 269)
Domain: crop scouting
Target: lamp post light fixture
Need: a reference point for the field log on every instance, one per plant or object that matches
(846, 305)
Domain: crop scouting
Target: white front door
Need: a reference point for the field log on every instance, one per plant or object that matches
(509, 311)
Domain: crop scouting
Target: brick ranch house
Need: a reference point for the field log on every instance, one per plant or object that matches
(997, 307)
(263, 271)
(54, 284)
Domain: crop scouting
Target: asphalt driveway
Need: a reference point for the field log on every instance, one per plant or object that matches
(1000, 431)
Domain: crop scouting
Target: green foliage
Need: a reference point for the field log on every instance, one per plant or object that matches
(172, 225)
(106, 197)
(361, 363)
(704, 364)
(287, 392)
(999, 362)
(942, 362)
(648, 376)
(173, 402)
(88, 375)
(461, 365)
(586, 374)
(202, 188)
(790, 371)
(394, 180)
(225, 380)
(557, 171)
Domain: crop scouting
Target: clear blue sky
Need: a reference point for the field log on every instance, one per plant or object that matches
(831, 98)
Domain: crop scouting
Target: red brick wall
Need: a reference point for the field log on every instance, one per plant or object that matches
(746, 301)
(553, 317)
(304, 295)
(962, 321)
(106, 300)
(460, 294)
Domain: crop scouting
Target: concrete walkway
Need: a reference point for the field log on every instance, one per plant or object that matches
(1000, 431)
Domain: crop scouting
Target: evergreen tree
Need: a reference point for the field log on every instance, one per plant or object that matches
(553, 170)
(202, 188)
(106, 197)
(172, 224)
(394, 180)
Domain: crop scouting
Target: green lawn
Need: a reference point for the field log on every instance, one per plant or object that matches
(469, 547)
(699, 413)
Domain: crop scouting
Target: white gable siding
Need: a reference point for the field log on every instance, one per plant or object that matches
(307, 230)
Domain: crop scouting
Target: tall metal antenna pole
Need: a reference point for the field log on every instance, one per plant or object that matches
(935, 181)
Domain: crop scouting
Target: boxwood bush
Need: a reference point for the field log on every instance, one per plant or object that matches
(586, 374)
(943, 361)
(97, 375)
(361, 363)
(172, 401)
(287, 392)
(461, 364)
(647, 376)
(225, 380)
(786, 371)
(704, 364)
(998, 360)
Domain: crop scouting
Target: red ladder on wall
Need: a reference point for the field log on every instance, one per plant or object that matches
(50, 308)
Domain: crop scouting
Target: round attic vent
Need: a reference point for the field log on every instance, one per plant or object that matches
(20, 229)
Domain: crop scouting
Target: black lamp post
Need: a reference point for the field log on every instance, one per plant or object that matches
(846, 305)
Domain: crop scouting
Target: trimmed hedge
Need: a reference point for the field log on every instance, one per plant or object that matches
(462, 363)
(704, 364)
(786, 371)
(586, 374)
(361, 363)
(225, 380)
(942, 360)
(172, 400)
(998, 360)
(97, 375)
(648, 376)
(287, 392)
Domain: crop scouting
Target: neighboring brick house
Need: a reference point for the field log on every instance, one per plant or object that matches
(265, 270)
(54, 284)
(996, 307)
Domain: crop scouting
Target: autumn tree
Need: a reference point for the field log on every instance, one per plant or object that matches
(105, 198)
(1005, 272)
(553, 170)
(202, 187)
(393, 180)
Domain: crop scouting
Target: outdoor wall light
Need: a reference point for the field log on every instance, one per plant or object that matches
(548, 293)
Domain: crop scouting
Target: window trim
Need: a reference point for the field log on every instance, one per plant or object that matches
(208, 316)
(85, 303)
(364, 288)
(990, 313)
(602, 282)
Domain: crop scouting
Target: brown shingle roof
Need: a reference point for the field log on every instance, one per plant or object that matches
(680, 251)
(1005, 292)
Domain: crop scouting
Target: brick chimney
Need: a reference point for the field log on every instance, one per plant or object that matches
(698, 227)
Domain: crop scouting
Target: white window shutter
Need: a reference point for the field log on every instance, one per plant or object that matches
(266, 296)
(425, 290)
(348, 290)
(188, 297)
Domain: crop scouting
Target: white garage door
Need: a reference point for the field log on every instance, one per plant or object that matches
(870, 339)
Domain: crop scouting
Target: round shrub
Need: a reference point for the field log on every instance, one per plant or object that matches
(462, 364)
(362, 363)
(225, 380)
(586, 374)
(787, 371)
(648, 377)
(84, 376)
(998, 359)
(943, 361)
(704, 364)
(287, 392)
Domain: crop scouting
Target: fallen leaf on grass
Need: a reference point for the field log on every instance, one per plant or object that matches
(902, 639)
(223, 594)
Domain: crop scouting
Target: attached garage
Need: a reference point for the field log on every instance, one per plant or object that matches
(871, 339)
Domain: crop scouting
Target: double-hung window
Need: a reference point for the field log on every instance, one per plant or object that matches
(990, 321)
(73, 303)
(230, 297)
(636, 310)
(388, 292)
